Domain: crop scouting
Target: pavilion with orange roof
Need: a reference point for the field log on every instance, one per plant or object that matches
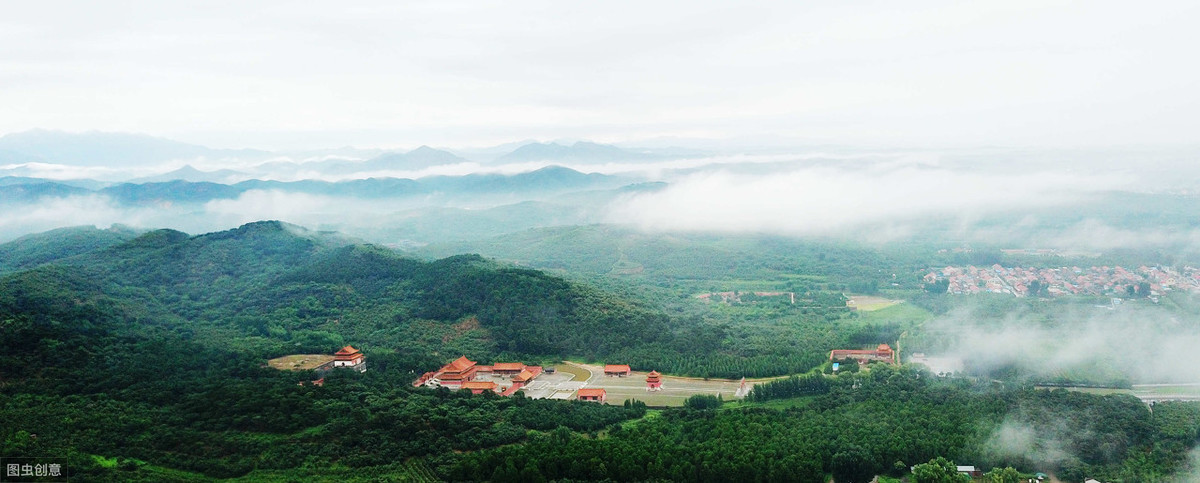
(654, 381)
(457, 372)
(350, 358)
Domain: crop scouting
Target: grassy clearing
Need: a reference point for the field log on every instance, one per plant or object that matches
(651, 414)
(904, 314)
(870, 303)
(580, 373)
(1100, 391)
(105, 462)
(1167, 390)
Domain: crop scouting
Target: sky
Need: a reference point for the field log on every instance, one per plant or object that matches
(298, 75)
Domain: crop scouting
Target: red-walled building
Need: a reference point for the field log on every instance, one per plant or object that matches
(619, 370)
(587, 394)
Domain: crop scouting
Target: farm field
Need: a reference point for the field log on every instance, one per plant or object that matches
(870, 303)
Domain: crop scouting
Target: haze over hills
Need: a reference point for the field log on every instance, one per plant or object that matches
(969, 196)
(189, 173)
(126, 151)
(96, 148)
(580, 151)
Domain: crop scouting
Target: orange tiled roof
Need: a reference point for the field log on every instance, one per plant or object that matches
(508, 366)
(346, 351)
(460, 364)
(524, 376)
(586, 392)
(484, 385)
(616, 368)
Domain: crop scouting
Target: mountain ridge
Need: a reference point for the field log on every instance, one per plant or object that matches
(580, 151)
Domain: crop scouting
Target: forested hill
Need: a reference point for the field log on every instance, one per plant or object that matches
(153, 350)
(270, 288)
(39, 248)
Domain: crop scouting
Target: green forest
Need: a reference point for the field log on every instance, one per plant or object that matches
(141, 356)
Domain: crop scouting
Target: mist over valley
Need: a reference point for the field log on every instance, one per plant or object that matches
(542, 241)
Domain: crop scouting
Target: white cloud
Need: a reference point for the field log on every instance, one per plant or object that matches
(95, 210)
(1144, 344)
(823, 201)
(389, 73)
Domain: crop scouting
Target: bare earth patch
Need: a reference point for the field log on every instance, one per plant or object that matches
(299, 362)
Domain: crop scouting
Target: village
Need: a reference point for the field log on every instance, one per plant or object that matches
(1097, 281)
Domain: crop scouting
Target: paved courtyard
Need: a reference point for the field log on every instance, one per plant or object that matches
(562, 385)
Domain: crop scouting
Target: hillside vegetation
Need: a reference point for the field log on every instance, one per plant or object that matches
(145, 360)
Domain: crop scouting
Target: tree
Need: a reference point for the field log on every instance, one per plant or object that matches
(939, 286)
(1143, 289)
(852, 465)
(938, 470)
(1005, 475)
(702, 401)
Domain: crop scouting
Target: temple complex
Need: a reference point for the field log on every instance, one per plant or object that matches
(462, 373)
(882, 353)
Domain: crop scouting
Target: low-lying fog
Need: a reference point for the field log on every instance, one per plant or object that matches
(875, 196)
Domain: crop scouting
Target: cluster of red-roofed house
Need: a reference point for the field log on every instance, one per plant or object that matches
(1102, 280)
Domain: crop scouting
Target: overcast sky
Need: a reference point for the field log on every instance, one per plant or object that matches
(274, 74)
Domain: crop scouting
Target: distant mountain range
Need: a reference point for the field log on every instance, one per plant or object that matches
(580, 152)
(545, 181)
(189, 173)
(125, 150)
(417, 159)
